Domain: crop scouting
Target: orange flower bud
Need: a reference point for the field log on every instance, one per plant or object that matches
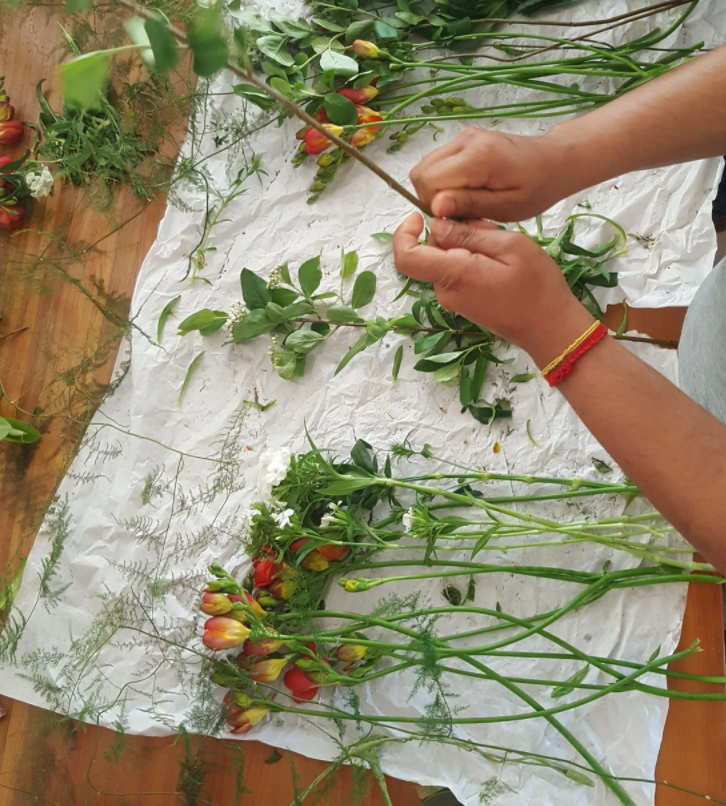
(11, 132)
(224, 633)
(350, 653)
(315, 141)
(266, 671)
(314, 561)
(215, 604)
(266, 646)
(241, 720)
(359, 96)
(365, 49)
(366, 115)
(7, 112)
(362, 137)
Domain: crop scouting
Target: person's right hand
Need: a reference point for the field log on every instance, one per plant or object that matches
(482, 174)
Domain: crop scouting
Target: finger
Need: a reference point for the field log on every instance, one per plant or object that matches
(476, 223)
(467, 203)
(420, 173)
(489, 241)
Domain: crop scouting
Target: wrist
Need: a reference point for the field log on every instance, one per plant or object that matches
(573, 150)
(559, 330)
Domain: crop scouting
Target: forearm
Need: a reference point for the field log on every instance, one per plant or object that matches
(674, 450)
(676, 118)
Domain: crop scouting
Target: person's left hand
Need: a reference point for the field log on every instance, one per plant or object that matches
(499, 279)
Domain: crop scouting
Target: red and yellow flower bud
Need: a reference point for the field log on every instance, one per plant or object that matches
(284, 583)
(351, 654)
(267, 671)
(266, 646)
(315, 141)
(314, 561)
(242, 719)
(7, 112)
(330, 551)
(221, 632)
(265, 571)
(366, 115)
(11, 217)
(11, 132)
(359, 96)
(365, 49)
(215, 604)
(300, 685)
(362, 137)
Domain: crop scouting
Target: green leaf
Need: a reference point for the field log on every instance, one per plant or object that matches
(430, 342)
(163, 45)
(361, 456)
(488, 412)
(329, 25)
(302, 341)
(274, 757)
(322, 43)
(364, 289)
(348, 263)
(5, 428)
(72, 6)
(9, 590)
(623, 326)
(383, 236)
(338, 63)
(251, 19)
(165, 314)
(275, 313)
(378, 327)
(410, 18)
(480, 374)
(188, 377)
(309, 276)
(397, 363)
(529, 434)
(295, 309)
(384, 30)
(283, 296)
(447, 373)
(21, 432)
(600, 466)
(83, 79)
(464, 386)
(254, 96)
(274, 47)
(283, 86)
(452, 595)
(342, 314)
(290, 365)
(570, 683)
(254, 324)
(358, 347)
(434, 362)
(297, 29)
(524, 377)
(205, 321)
(260, 406)
(207, 41)
(255, 292)
(358, 30)
(341, 110)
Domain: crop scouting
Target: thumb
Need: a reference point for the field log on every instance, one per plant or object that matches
(466, 203)
(476, 237)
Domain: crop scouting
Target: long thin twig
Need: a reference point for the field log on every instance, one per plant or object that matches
(13, 333)
(300, 113)
(407, 329)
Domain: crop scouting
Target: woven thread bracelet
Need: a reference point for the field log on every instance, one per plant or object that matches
(562, 366)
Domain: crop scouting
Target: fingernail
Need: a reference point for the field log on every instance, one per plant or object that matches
(444, 207)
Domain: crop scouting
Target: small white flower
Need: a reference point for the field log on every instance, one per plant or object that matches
(282, 519)
(407, 520)
(329, 518)
(272, 471)
(39, 185)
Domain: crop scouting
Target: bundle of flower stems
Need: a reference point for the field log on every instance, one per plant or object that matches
(320, 522)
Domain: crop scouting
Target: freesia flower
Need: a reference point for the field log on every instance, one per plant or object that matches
(283, 585)
(359, 96)
(266, 671)
(301, 686)
(265, 646)
(7, 112)
(40, 185)
(314, 561)
(315, 141)
(221, 632)
(332, 552)
(366, 115)
(11, 132)
(11, 217)
(351, 654)
(265, 571)
(241, 718)
(362, 137)
(215, 604)
(365, 49)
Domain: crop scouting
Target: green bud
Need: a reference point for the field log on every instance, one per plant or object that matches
(317, 186)
(215, 586)
(325, 160)
(402, 137)
(458, 110)
(216, 570)
(437, 102)
(427, 109)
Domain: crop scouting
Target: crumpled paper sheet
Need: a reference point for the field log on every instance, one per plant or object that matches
(119, 547)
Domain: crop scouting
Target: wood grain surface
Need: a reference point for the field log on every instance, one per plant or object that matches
(68, 307)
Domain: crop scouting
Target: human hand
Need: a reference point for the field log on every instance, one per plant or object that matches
(501, 280)
(482, 174)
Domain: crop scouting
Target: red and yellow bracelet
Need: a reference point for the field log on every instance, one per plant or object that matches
(563, 365)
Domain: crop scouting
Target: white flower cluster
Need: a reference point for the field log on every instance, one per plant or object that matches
(407, 520)
(272, 471)
(329, 518)
(282, 519)
(39, 185)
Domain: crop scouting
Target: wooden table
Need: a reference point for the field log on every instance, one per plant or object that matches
(68, 309)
